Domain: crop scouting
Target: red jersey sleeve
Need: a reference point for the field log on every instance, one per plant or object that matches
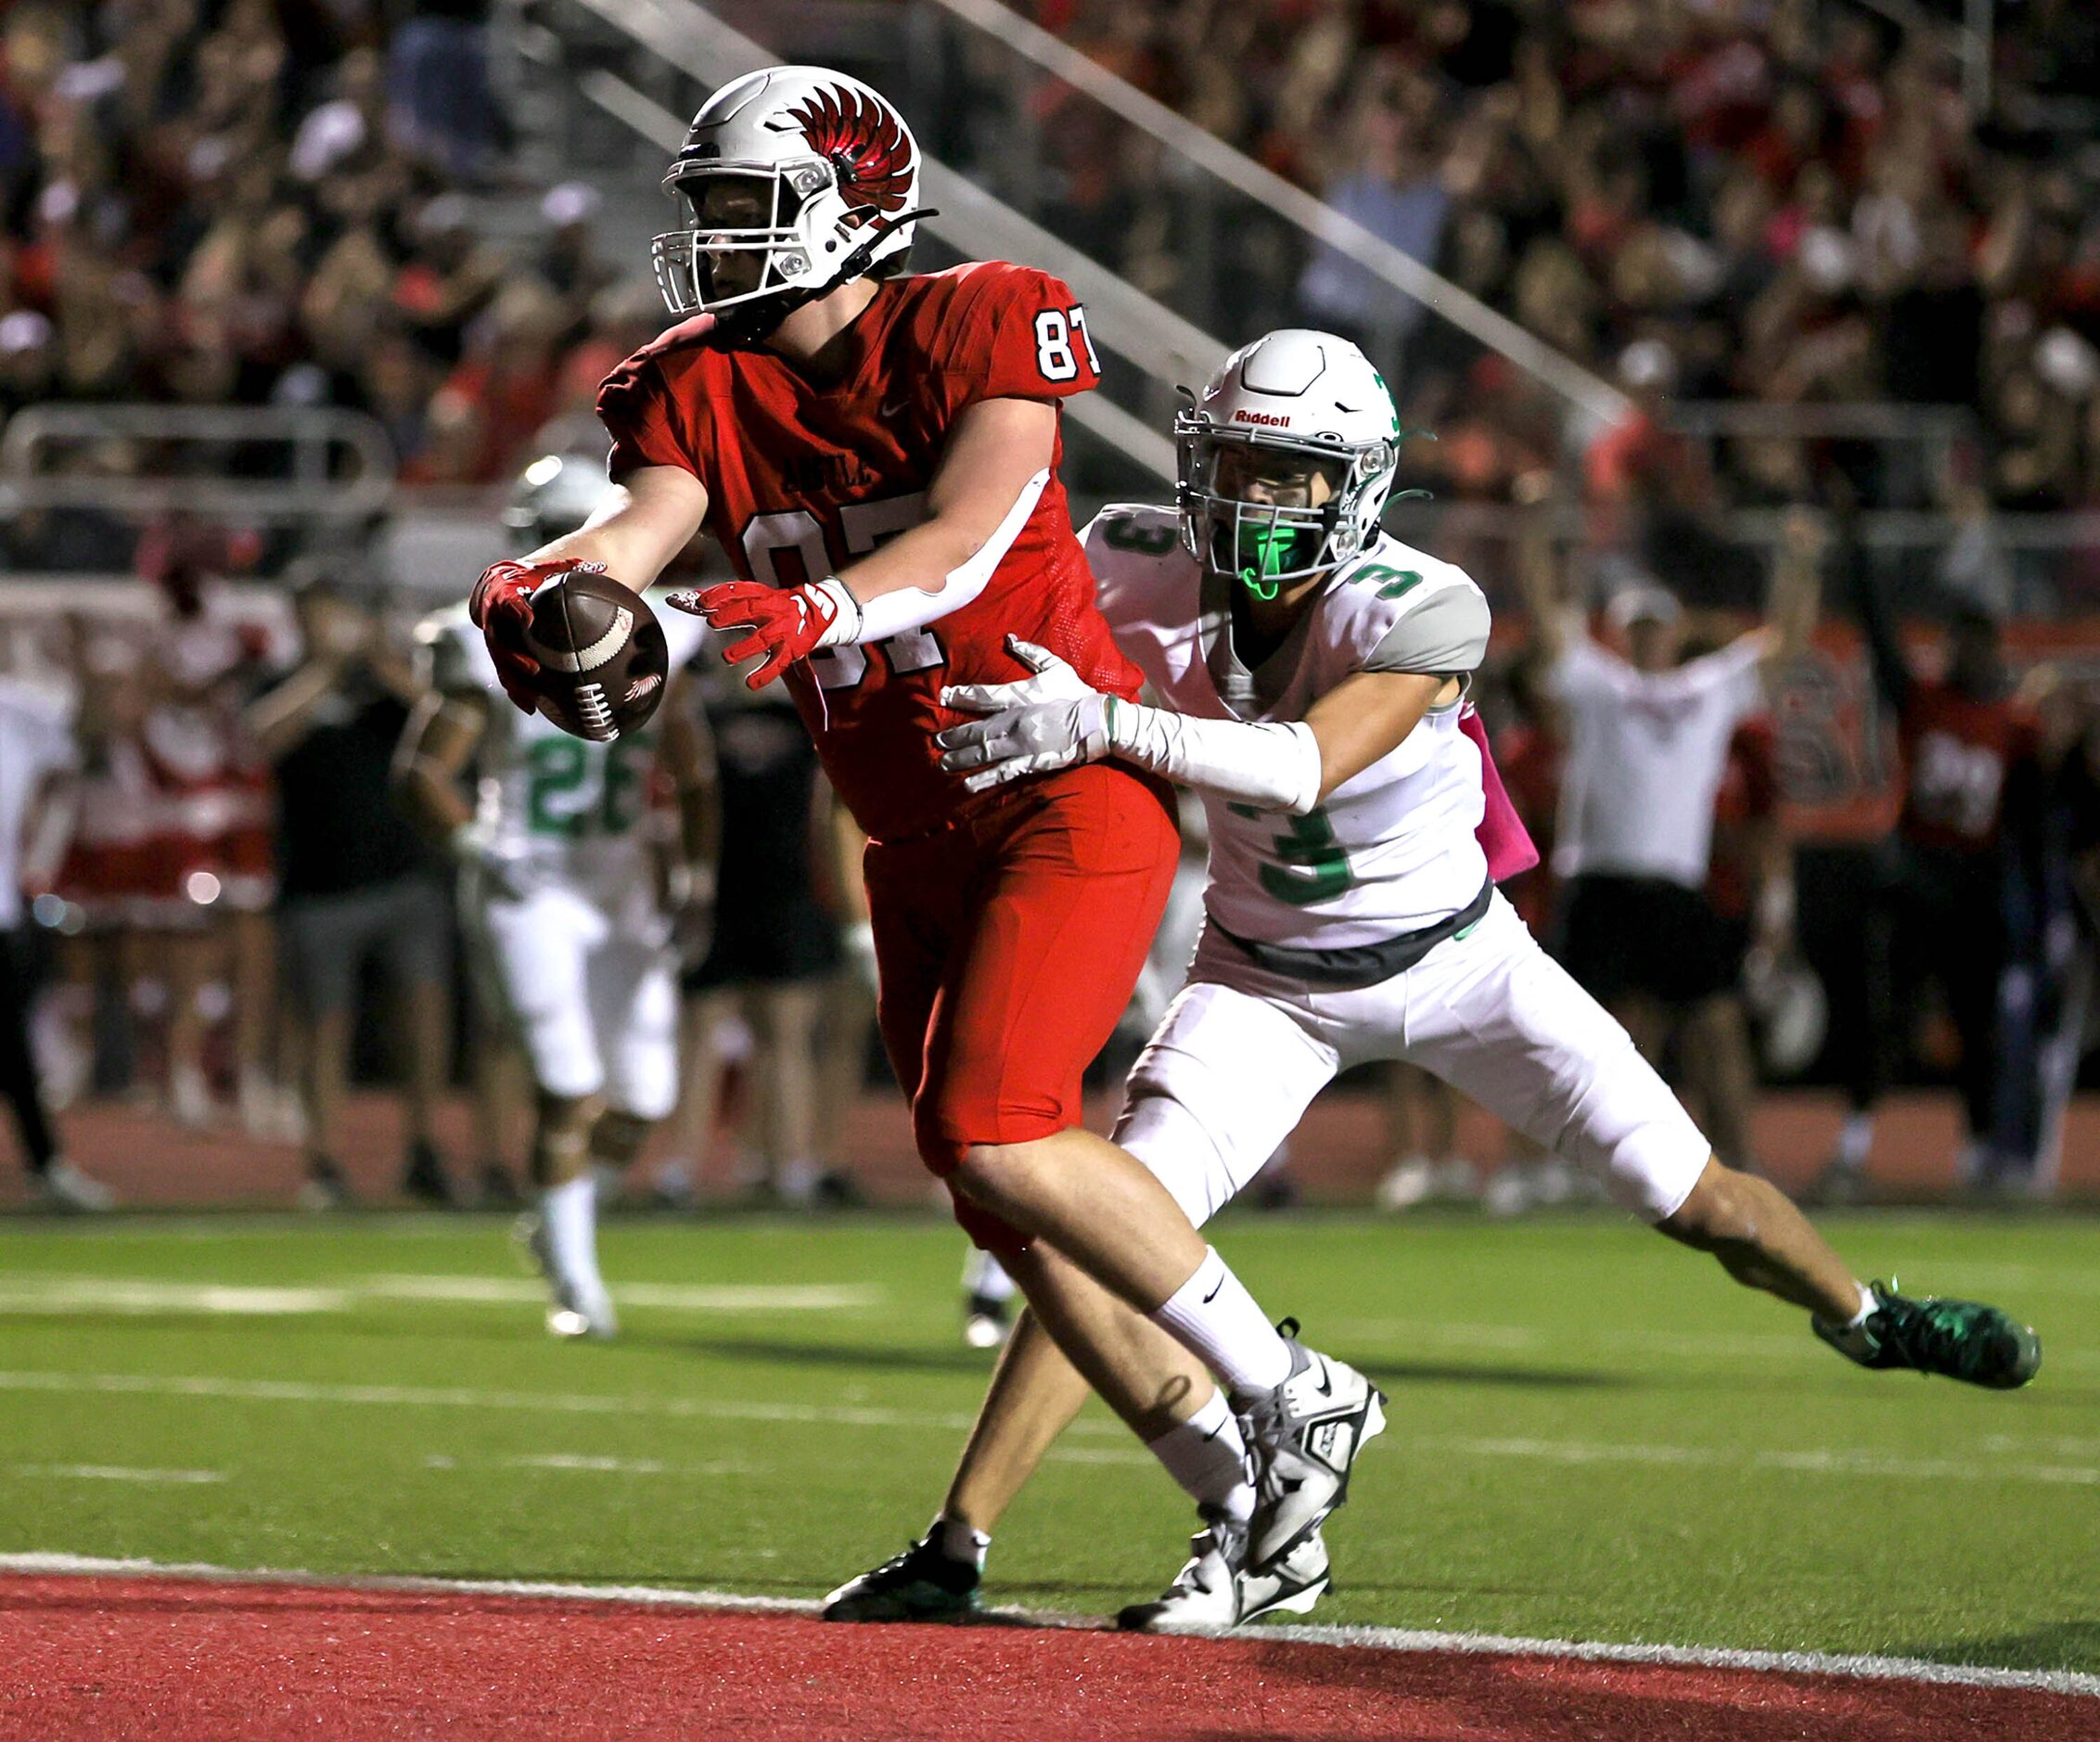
(649, 424)
(1015, 333)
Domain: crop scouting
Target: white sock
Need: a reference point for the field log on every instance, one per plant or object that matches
(1216, 1320)
(570, 1213)
(958, 1540)
(1856, 1139)
(1852, 1334)
(985, 1275)
(1207, 1455)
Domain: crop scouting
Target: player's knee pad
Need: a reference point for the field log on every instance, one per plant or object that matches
(617, 1137)
(561, 1137)
(1178, 1152)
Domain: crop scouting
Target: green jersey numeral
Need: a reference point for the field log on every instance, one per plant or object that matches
(1398, 582)
(1310, 864)
(559, 798)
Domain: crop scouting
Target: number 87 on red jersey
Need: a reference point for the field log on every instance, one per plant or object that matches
(802, 479)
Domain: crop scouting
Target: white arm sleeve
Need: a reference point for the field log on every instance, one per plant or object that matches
(912, 608)
(1276, 767)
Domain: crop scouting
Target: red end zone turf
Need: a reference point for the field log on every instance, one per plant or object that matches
(176, 1660)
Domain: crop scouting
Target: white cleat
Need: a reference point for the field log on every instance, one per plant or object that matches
(63, 1186)
(576, 1309)
(1302, 1438)
(573, 1315)
(1214, 1591)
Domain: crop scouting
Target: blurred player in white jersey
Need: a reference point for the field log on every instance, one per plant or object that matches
(1315, 672)
(580, 895)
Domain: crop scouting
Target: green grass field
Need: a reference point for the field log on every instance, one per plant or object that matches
(1594, 1435)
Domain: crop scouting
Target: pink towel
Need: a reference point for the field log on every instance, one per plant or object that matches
(1502, 834)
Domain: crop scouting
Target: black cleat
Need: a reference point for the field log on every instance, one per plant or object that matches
(921, 1584)
(1960, 1339)
(499, 1190)
(423, 1177)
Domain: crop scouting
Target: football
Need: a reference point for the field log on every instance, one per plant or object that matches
(603, 660)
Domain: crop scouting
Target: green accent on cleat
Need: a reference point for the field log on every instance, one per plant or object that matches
(921, 1584)
(1960, 1339)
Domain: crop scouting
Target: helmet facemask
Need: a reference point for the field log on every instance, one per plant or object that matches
(1305, 516)
(708, 266)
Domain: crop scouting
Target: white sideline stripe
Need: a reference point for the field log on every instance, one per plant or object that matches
(1372, 1638)
(65, 1293)
(118, 1473)
(1814, 1460)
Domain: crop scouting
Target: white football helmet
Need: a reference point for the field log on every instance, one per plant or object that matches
(1301, 392)
(843, 172)
(553, 495)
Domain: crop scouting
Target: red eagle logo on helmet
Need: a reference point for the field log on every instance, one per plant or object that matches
(867, 145)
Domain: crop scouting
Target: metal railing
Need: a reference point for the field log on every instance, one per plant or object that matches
(261, 463)
(1320, 223)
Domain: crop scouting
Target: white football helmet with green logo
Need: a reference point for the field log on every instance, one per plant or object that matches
(1296, 392)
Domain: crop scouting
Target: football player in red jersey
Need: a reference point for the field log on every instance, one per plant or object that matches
(878, 454)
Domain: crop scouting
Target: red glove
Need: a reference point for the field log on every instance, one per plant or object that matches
(785, 625)
(501, 607)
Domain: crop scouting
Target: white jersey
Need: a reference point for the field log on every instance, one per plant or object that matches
(1646, 754)
(1391, 850)
(554, 808)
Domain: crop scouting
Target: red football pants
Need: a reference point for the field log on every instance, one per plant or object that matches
(1008, 944)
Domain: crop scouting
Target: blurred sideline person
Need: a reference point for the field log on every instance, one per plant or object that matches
(1939, 911)
(2054, 830)
(38, 786)
(1422, 1133)
(355, 879)
(209, 938)
(1647, 740)
(776, 962)
(572, 894)
(1750, 889)
(848, 1023)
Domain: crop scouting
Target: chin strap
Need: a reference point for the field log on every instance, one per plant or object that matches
(748, 323)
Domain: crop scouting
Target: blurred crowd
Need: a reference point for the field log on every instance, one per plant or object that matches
(1766, 200)
(312, 203)
(285, 202)
(223, 903)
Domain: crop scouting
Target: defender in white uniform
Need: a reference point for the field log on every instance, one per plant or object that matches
(1313, 672)
(573, 887)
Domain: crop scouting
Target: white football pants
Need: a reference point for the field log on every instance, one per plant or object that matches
(591, 989)
(1241, 1052)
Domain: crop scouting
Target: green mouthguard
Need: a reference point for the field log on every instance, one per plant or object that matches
(1264, 553)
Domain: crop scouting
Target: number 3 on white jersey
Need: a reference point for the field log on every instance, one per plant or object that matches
(865, 525)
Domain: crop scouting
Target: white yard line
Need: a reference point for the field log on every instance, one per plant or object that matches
(1372, 1638)
(118, 1473)
(65, 1293)
(588, 1464)
(1811, 1460)
(472, 1397)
